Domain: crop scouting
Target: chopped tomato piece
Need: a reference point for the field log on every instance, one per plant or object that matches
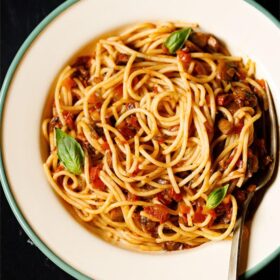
(155, 89)
(94, 173)
(118, 92)
(124, 142)
(129, 127)
(105, 146)
(69, 119)
(69, 83)
(199, 217)
(158, 211)
(135, 81)
(261, 83)
(164, 49)
(227, 199)
(184, 57)
(59, 168)
(96, 101)
(175, 196)
(98, 184)
(97, 80)
(94, 178)
(167, 196)
(184, 209)
(164, 197)
(127, 133)
(213, 215)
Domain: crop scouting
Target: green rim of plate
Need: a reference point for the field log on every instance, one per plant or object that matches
(8, 193)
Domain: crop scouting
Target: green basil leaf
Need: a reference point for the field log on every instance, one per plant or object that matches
(69, 152)
(176, 39)
(59, 134)
(216, 197)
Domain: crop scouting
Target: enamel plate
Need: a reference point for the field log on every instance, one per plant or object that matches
(247, 30)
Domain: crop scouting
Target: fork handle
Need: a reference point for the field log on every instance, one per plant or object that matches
(237, 241)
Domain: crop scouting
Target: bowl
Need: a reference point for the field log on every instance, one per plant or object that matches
(248, 31)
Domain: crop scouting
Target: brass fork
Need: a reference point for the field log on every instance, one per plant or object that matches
(263, 180)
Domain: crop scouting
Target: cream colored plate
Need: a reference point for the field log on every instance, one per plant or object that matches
(245, 29)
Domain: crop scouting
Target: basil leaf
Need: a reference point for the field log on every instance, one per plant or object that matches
(216, 197)
(69, 152)
(176, 39)
(59, 134)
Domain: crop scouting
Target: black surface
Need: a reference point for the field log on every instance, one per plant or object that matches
(20, 259)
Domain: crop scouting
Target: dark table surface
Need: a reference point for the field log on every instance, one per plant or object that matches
(20, 259)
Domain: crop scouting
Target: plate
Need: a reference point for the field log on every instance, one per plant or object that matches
(246, 30)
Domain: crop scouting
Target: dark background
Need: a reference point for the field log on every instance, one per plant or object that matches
(20, 259)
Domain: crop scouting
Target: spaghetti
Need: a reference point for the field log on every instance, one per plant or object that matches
(159, 135)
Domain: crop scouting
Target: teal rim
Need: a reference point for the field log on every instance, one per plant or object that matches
(8, 193)
(264, 11)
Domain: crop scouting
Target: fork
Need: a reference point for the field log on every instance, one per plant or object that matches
(235, 253)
